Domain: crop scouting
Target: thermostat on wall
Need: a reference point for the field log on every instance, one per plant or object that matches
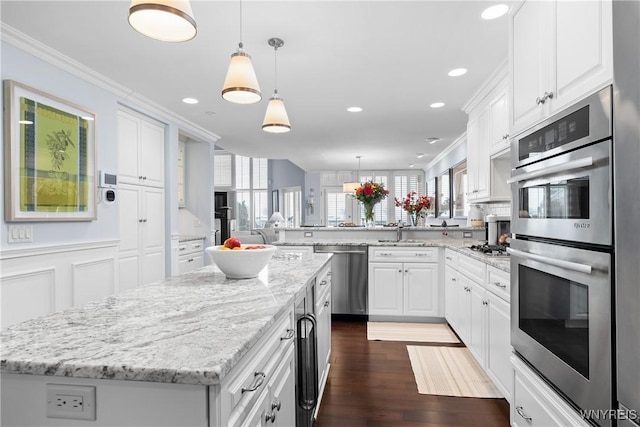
(107, 180)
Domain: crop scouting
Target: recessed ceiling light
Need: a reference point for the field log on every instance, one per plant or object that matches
(210, 113)
(432, 140)
(494, 12)
(411, 165)
(420, 155)
(354, 109)
(457, 72)
(437, 105)
(189, 100)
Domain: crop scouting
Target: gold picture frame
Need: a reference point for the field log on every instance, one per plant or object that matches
(49, 157)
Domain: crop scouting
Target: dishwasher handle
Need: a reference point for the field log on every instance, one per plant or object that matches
(334, 250)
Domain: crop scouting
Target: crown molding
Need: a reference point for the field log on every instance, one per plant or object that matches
(128, 97)
(462, 139)
(498, 76)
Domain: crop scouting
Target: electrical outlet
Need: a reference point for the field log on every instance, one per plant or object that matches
(71, 401)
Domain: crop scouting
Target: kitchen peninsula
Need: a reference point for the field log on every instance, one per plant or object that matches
(183, 351)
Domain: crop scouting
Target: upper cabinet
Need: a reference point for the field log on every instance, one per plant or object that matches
(140, 150)
(560, 51)
(488, 140)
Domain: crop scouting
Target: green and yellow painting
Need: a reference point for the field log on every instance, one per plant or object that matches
(53, 159)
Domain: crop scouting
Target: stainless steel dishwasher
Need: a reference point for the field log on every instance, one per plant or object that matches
(349, 284)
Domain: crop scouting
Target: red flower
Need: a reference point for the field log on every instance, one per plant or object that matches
(368, 190)
(371, 192)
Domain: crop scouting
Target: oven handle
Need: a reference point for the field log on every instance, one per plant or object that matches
(581, 268)
(564, 167)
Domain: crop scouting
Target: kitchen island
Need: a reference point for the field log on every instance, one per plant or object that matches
(161, 354)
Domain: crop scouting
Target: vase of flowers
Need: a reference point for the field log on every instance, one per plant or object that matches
(370, 193)
(414, 205)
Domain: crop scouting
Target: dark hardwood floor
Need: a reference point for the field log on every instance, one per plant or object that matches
(371, 384)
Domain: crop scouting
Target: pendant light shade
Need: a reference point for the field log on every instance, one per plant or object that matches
(351, 187)
(241, 84)
(165, 20)
(276, 119)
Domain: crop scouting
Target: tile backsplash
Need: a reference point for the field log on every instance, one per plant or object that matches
(497, 208)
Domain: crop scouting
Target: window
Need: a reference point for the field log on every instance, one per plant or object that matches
(222, 173)
(460, 201)
(443, 196)
(381, 210)
(291, 209)
(251, 193)
(336, 205)
(403, 185)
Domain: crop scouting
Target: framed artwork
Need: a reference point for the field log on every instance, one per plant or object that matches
(275, 201)
(49, 154)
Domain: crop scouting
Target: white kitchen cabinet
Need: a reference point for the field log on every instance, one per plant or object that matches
(560, 51)
(141, 248)
(488, 137)
(499, 343)
(140, 150)
(402, 282)
(535, 404)
(190, 255)
(478, 322)
(323, 322)
(181, 170)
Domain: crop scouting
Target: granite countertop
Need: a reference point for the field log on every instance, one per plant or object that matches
(189, 237)
(459, 245)
(188, 329)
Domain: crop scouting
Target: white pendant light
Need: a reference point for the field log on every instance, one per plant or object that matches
(241, 84)
(165, 20)
(276, 119)
(351, 187)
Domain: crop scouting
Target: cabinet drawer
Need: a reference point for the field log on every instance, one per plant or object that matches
(403, 254)
(258, 366)
(451, 257)
(472, 268)
(498, 282)
(190, 247)
(323, 285)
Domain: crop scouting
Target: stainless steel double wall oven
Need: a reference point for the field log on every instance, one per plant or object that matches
(562, 253)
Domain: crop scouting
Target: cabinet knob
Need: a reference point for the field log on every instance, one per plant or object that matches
(326, 303)
(406, 271)
(289, 335)
(276, 404)
(485, 302)
(505, 136)
(543, 99)
(453, 279)
(140, 220)
(139, 176)
(144, 177)
(520, 411)
(190, 260)
(270, 416)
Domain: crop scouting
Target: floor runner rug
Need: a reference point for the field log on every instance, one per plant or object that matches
(449, 371)
(411, 332)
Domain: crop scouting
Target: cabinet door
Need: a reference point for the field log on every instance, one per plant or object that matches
(152, 231)
(385, 288)
(323, 317)
(473, 140)
(481, 152)
(130, 214)
(128, 137)
(499, 344)
(499, 129)
(530, 59)
(478, 316)
(283, 395)
(152, 154)
(451, 296)
(464, 310)
(421, 290)
(583, 57)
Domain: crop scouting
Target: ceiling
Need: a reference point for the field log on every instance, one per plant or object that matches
(389, 57)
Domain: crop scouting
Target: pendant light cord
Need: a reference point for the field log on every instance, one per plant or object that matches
(240, 44)
(275, 54)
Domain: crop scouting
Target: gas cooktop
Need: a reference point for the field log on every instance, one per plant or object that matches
(492, 250)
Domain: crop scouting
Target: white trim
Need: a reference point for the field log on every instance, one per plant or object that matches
(458, 141)
(77, 267)
(500, 73)
(53, 249)
(49, 55)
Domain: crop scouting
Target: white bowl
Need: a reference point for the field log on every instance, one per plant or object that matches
(241, 264)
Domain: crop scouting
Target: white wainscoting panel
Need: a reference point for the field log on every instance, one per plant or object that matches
(27, 295)
(93, 280)
(40, 280)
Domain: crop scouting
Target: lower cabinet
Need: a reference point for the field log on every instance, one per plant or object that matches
(480, 314)
(535, 404)
(407, 289)
(190, 255)
(323, 323)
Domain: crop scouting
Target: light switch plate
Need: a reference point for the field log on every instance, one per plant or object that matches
(20, 233)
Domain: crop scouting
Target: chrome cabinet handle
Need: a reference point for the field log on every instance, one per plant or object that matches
(276, 404)
(485, 302)
(520, 411)
(270, 416)
(449, 258)
(326, 303)
(500, 285)
(182, 248)
(385, 254)
(196, 246)
(323, 283)
(421, 254)
(260, 376)
(453, 279)
(139, 176)
(290, 334)
(505, 136)
(190, 260)
(543, 99)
